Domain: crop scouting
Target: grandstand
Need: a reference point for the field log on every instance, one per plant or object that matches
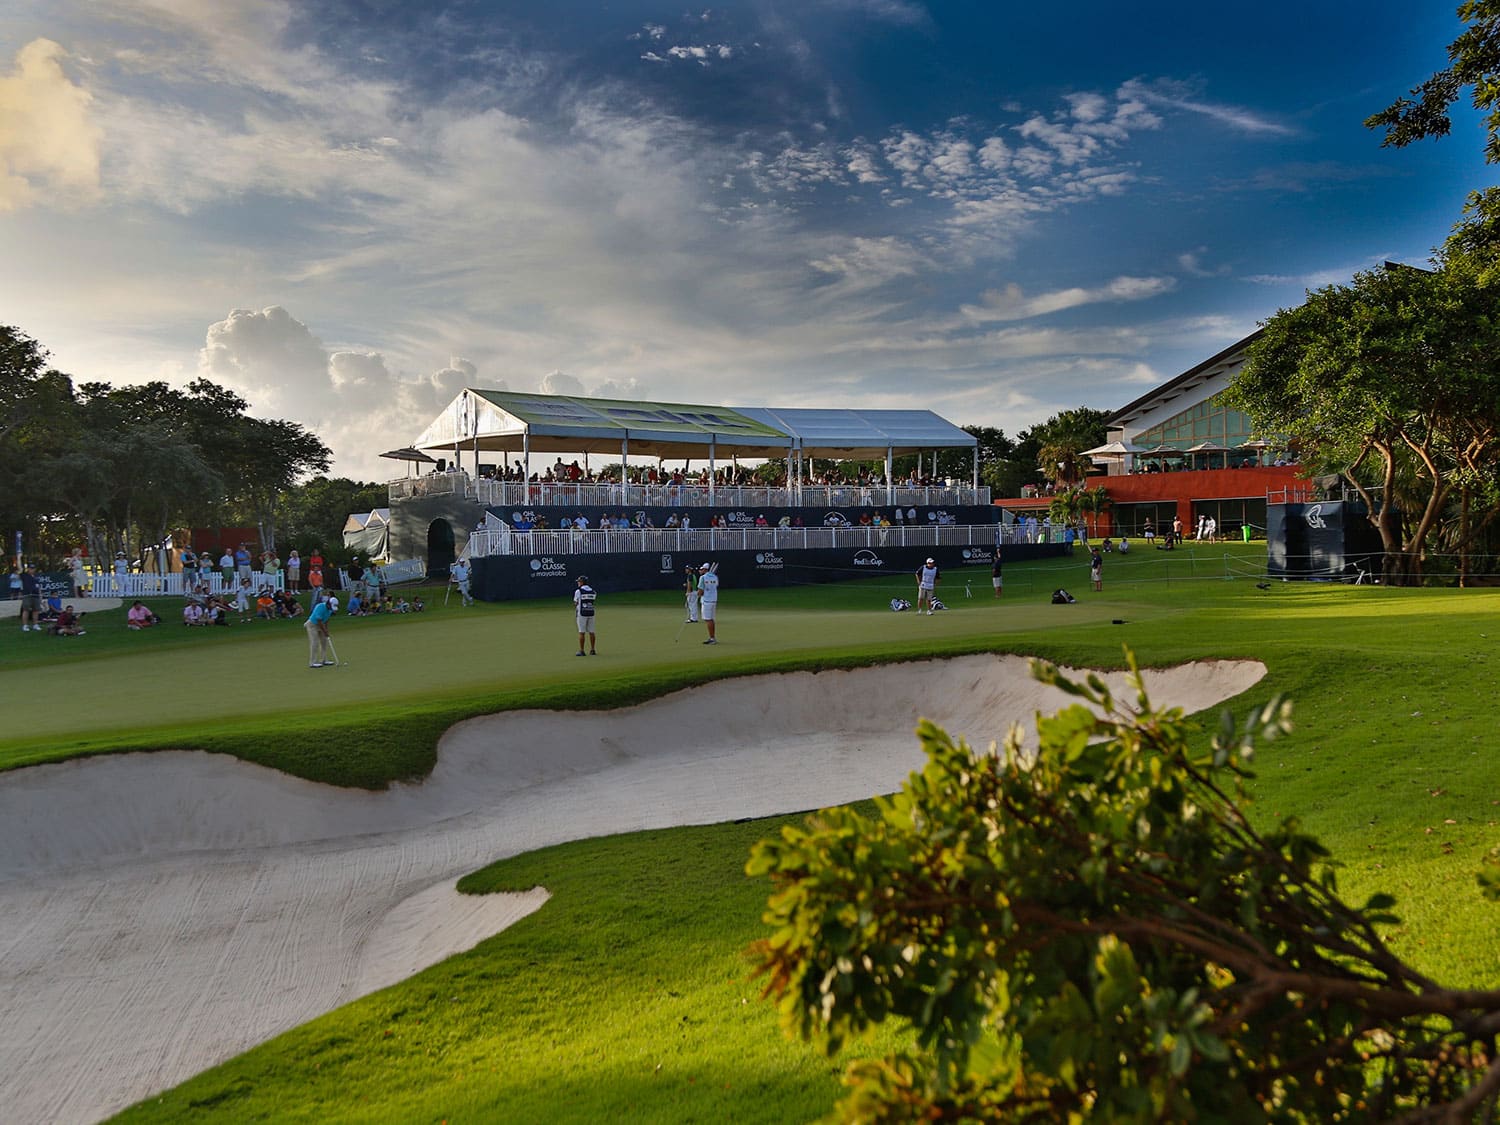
(514, 491)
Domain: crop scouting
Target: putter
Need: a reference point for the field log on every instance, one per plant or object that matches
(680, 628)
(334, 653)
(447, 592)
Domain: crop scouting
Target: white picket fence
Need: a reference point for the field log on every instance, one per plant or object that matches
(172, 585)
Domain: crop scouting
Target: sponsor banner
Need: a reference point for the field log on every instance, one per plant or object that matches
(510, 577)
(975, 556)
(546, 567)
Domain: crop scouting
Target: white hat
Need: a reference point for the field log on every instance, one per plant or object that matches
(931, 563)
(333, 601)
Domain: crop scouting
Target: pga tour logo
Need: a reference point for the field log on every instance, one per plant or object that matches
(1314, 518)
(548, 567)
(978, 555)
(867, 558)
(767, 561)
(666, 565)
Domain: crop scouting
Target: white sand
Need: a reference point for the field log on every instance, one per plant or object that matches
(160, 913)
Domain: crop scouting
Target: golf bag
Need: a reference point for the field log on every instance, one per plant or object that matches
(899, 604)
(1062, 597)
(937, 604)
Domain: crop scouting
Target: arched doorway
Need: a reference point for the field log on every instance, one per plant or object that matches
(440, 553)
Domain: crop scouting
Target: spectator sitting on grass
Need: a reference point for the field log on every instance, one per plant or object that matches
(417, 604)
(68, 624)
(139, 617)
(192, 614)
(356, 605)
(265, 604)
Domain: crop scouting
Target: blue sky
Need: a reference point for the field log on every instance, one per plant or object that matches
(349, 211)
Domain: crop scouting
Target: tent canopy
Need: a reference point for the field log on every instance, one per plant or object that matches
(508, 421)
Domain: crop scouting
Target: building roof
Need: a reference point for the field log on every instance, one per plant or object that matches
(509, 421)
(1183, 384)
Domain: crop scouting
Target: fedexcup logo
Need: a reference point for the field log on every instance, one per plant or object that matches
(867, 558)
(548, 567)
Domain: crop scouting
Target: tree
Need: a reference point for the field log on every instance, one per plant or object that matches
(1059, 442)
(1097, 932)
(1390, 380)
(1474, 63)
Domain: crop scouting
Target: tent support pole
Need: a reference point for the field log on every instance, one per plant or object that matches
(890, 485)
(712, 459)
(624, 464)
(976, 474)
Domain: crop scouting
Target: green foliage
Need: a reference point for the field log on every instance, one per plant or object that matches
(1097, 931)
(1393, 381)
(1474, 59)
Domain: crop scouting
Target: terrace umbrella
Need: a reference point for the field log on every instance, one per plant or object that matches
(1163, 451)
(415, 456)
(1207, 447)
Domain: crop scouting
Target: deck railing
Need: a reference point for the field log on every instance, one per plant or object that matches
(709, 539)
(518, 494)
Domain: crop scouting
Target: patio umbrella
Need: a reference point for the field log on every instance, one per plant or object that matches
(409, 454)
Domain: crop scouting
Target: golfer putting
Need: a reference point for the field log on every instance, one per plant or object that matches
(319, 644)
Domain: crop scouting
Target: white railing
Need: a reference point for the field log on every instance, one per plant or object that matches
(171, 585)
(517, 494)
(675, 540)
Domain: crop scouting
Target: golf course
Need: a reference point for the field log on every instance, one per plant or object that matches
(610, 976)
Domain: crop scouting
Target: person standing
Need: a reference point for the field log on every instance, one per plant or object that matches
(1096, 569)
(242, 562)
(226, 571)
(318, 648)
(31, 600)
(294, 571)
(458, 574)
(691, 587)
(708, 600)
(356, 575)
(995, 579)
(583, 610)
(927, 580)
(1177, 530)
(189, 560)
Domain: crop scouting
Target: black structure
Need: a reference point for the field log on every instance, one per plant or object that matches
(513, 577)
(1330, 540)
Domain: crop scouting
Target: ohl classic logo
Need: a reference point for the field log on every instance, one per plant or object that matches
(767, 561)
(978, 555)
(548, 567)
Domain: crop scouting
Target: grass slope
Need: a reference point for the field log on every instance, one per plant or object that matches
(625, 995)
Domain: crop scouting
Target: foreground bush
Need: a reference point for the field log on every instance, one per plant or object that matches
(1097, 932)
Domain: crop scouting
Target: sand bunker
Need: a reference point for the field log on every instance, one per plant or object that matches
(160, 913)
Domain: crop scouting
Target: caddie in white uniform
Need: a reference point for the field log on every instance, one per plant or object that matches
(708, 599)
(459, 573)
(927, 580)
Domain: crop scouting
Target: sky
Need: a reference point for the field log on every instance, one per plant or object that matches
(349, 211)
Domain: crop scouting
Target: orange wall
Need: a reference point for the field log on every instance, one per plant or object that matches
(1182, 488)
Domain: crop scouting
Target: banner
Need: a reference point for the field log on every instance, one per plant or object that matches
(515, 577)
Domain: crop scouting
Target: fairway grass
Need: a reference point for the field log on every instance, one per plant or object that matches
(626, 994)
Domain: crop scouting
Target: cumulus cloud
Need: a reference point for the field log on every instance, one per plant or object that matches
(347, 396)
(49, 143)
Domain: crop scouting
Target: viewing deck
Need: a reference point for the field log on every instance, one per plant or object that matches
(707, 540)
(517, 494)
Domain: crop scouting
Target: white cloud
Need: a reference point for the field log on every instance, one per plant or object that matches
(1011, 303)
(49, 144)
(1183, 97)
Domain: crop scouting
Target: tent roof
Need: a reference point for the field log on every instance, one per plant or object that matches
(504, 420)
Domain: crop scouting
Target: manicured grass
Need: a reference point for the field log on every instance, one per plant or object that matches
(637, 960)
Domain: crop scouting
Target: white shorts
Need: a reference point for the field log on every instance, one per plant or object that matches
(585, 624)
(995, 581)
(706, 610)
